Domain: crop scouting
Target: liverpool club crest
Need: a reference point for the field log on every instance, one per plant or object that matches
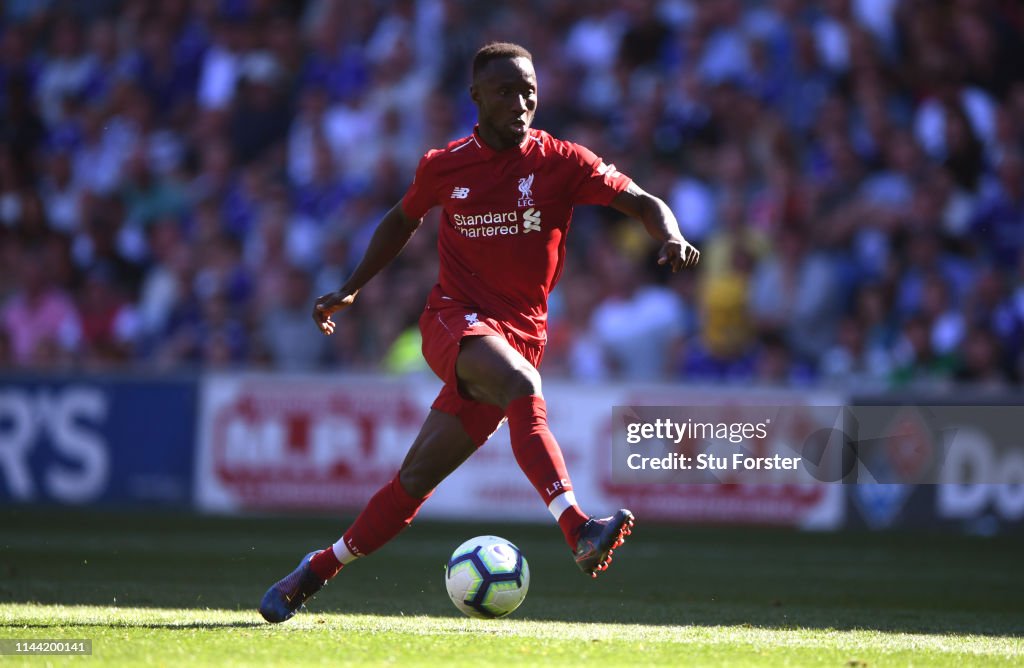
(526, 191)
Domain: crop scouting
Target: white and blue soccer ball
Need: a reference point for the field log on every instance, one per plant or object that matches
(487, 577)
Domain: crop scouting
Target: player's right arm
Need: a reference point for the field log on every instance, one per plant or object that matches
(390, 237)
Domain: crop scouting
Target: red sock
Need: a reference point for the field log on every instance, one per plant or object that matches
(325, 564)
(570, 522)
(389, 511)
(540, 458)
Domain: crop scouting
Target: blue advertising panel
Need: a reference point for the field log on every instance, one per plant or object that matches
(80, 440)
(979, 487)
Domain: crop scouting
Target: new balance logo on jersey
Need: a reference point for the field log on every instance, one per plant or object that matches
(460, 193)
(472, 319)
(531, 220)
(526, 191)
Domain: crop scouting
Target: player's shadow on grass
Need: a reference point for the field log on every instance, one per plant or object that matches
(174, 626)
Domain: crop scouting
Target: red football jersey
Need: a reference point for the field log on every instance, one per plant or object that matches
(506, 214)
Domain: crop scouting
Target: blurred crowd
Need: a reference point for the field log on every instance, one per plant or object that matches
(179, 179)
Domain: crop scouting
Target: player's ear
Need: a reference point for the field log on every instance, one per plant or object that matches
(474, 94)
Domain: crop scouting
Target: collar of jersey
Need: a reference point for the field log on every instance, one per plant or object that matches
(490, 152)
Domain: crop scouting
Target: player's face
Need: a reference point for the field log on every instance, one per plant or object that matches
(505, 93)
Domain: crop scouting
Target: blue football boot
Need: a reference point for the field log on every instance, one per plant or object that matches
(288, 594)
(598, 540)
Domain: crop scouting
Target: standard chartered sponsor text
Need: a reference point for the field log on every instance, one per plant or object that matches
(489, 218)
(488, 224)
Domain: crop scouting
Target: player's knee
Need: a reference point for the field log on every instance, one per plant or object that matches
(491, 372)
(416, 480)
(521, 381)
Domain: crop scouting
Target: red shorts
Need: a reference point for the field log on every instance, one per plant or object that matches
(443, 325)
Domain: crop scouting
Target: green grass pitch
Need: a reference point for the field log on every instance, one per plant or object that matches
(159, 589)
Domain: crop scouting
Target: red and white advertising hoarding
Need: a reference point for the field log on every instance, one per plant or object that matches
(326, 444)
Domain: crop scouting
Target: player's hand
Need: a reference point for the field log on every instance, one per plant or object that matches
(329, 304)
(678, 253)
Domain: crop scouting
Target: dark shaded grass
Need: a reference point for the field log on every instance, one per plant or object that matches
(920, 583)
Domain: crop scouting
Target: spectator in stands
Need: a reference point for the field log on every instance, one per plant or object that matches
(795, 292)
(774, 364)
(916, 362)
(637, 325)
(981, 362)
(109, 321)
(40, 319)
(725, 349)
(999, 219)
(61, 198)
(261, 113)
(291, 343)
(167, 281)
(66, 70)
(853, 362)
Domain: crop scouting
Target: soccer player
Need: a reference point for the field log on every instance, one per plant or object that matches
(507, 193)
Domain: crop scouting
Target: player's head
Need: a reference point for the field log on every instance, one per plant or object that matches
(504, 90)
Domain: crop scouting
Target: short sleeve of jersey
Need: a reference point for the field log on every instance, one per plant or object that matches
(421, 195)
(600, 182)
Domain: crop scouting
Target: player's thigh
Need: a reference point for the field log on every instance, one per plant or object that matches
(491, 371)
(440, 447)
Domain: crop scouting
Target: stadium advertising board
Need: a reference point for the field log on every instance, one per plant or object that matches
(300, 442)
(83, 441)
(713, 489)
(974, 454)
(327, 444)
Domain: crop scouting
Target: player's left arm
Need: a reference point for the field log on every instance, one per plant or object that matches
(661, 224)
